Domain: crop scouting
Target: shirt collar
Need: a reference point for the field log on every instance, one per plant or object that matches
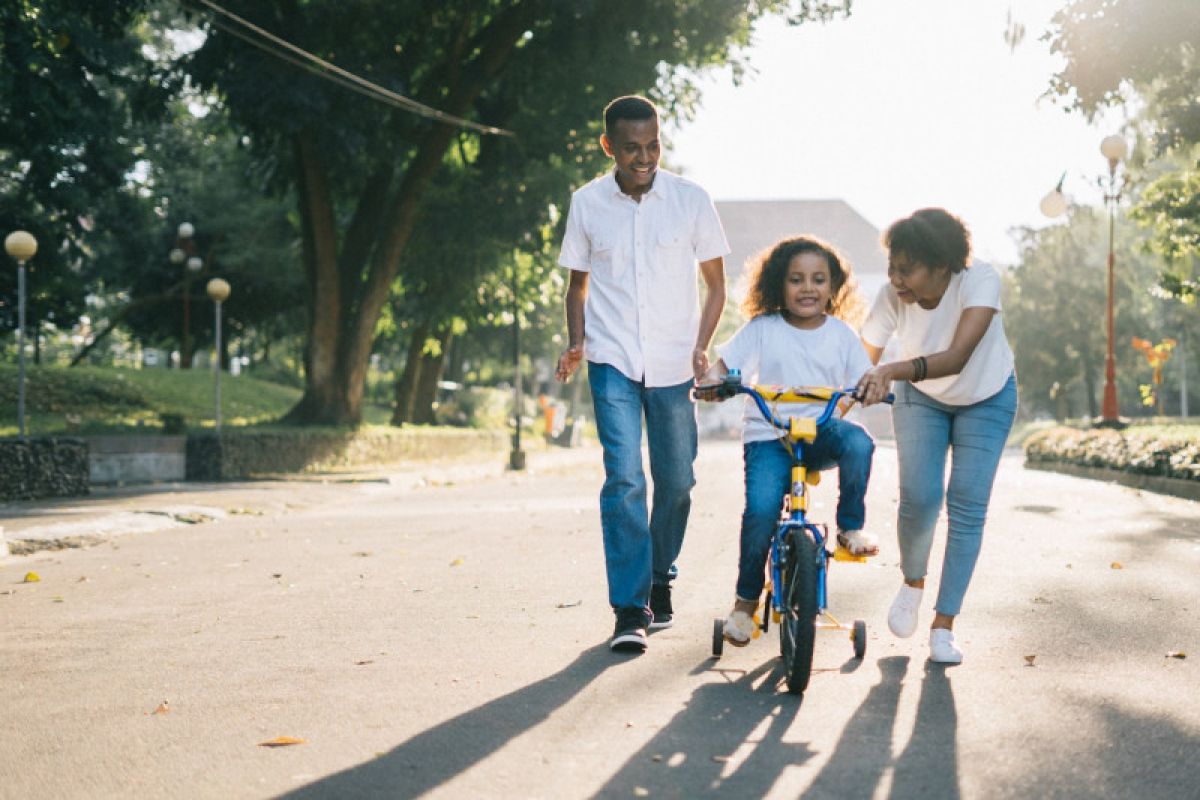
(656, 189)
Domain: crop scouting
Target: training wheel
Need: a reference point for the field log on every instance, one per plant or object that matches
(718, 643)
(859, 637)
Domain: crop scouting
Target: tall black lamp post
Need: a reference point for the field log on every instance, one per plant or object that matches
(516, 459)
(21, 246)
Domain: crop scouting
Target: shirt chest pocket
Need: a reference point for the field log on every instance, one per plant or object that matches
(673, 238)
(605, 259)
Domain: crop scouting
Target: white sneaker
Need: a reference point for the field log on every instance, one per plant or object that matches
(902, 618)
(739, 628)
(942, 648)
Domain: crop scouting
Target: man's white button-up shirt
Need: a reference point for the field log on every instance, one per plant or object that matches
(642, 312)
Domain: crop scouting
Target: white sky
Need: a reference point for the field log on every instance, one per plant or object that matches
(905, 104)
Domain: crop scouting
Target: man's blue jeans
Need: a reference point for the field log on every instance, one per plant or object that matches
(974, 436)
(640, 548)
(768, 478)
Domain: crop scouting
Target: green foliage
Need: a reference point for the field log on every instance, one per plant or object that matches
(1054, 308)
(72, 78)
(1111, 47)
(91, 399)
(1169, 208)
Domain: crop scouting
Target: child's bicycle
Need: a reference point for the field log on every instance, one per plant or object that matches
(800, 549)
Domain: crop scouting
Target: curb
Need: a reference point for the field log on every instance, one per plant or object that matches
(1176, 487)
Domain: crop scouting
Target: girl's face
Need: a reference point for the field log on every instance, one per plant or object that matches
(917, 282)
(807, 288)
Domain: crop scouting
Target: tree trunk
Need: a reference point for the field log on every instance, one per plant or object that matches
(343, 309)
(427, 382)
(406, 384)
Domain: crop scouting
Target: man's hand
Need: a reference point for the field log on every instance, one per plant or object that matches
(699, 364)
(568, 362)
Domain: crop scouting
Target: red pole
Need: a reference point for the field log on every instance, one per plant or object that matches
(1109, 412)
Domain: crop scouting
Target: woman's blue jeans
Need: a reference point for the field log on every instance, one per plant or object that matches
(768, 478)
(974, 436)
(640, 548)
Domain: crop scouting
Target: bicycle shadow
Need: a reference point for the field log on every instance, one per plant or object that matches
(692, 753)
(434, 756)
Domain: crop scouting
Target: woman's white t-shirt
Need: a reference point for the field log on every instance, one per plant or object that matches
(769, 350)
(923, 332)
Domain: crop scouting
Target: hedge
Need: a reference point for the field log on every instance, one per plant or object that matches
(1161, 450)
(249, 454)
(43, 467)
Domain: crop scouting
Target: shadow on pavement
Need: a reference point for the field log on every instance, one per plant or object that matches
(696, 753)
(928, 767)
(864, 749)
(437, 755)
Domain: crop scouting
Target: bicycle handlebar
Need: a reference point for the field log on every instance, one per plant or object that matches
(732, 385)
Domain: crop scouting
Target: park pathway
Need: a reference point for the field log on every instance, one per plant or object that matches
(447, 639)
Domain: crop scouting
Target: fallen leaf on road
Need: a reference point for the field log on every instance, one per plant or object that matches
(1041, 601)
(571, 604)
(364, 553)
(641, 791)
(1029, 660)
(657, 757)
(1176, 654)
(721, 759)
(163, 708)
(458, 562)
(1117, 565)
(82, 579)
(56, 599)
(281, 741)
(31, 577)
(276, 574)
(363, 663)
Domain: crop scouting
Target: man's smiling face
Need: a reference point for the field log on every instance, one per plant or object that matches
(634, 145)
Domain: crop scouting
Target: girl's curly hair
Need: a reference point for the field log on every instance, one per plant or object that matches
(767, 273)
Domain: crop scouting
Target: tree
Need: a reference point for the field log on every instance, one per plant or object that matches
(1118, 50)
(72, 79)
(537, 68)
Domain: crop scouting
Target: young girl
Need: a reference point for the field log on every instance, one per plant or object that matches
(794, 338)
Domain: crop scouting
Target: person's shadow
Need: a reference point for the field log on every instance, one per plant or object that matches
(864, 749)
(928, 767)
(434, 756)
(691, 754)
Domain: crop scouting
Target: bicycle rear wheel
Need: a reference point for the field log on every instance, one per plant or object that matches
(798, 626)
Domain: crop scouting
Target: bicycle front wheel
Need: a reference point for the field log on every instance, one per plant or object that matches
(798, 627)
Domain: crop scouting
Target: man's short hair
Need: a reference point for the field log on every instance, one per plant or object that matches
(631, 107)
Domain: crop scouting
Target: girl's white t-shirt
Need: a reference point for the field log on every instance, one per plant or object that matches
(769, 350)
(923, 332)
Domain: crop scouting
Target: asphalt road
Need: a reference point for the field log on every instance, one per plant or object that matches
(447, 639)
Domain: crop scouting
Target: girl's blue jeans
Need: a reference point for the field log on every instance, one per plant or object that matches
(640, 546)
(769, 476)
(974, 436)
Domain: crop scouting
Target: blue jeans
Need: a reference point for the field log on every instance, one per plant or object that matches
(640, 548)
(974, 436)
(769, 476)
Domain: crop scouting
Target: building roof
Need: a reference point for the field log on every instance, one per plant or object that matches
(753, 225)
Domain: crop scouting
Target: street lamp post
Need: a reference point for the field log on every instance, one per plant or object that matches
(218, 291)
(516, 459)
(1114, 149)
(21, 246)
(184, 253)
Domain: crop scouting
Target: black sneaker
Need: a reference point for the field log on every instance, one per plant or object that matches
(630, 634)
(660, 606)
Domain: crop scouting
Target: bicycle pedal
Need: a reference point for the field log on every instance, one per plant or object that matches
(842, 554)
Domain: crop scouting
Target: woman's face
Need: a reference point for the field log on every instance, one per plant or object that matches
(917, 282)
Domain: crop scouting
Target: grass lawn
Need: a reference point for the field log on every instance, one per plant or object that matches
(95, 400)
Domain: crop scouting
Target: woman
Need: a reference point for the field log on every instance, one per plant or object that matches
(956, 393)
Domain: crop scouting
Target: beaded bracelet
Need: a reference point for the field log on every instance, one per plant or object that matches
(920, 368)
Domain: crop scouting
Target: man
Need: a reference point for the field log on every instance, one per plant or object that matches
(633, 240)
